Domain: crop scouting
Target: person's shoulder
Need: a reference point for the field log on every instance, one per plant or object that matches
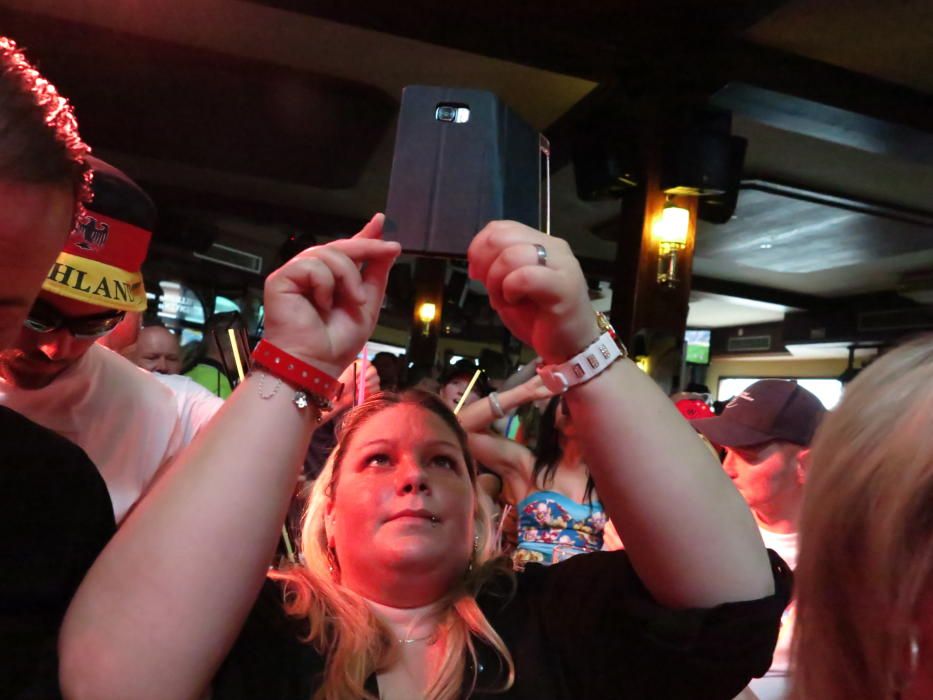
(177, 382)
(19, 434)
(210, 375)
(185, 386)
(13, 423)
(28, 450)
(205, 366)
(196, 405)
(785, 544)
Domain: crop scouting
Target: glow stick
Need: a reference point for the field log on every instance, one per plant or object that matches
(288, 545)
(236, 353)
(361, 378)
(467, 391)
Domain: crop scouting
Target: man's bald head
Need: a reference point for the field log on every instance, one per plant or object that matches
(157, 350)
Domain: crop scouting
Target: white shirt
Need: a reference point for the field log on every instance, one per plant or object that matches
(124, 418)
(775, 684)
(196, 405)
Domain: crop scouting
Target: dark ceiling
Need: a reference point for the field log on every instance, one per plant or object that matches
(249, 122)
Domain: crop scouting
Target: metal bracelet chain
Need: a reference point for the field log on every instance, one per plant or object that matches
(301, 399)
(275, 390)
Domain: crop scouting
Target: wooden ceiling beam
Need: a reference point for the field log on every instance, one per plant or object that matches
(584, 39)
(753, 292)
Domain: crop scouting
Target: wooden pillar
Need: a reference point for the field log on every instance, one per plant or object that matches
(429, 287)
(650, 317)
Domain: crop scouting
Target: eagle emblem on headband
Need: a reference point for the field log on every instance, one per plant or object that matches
(90, 234)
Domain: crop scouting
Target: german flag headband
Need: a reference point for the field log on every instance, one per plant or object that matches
(101, 264)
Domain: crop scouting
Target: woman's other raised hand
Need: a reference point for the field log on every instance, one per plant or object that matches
(536, 286)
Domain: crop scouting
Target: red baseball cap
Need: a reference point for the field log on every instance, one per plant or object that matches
(693, 409)
(770, 409)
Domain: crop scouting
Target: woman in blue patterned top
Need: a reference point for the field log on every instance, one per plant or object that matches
(558, 512)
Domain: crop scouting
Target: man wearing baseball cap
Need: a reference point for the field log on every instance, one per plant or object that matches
(57, 376)
(766, 432)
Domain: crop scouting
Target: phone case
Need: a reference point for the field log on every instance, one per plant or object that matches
(453, 171)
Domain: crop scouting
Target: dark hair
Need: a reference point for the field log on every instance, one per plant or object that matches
(466, 368)
(697, 388)
(379, 402)
(39, 140)
(222, 321)
(415, 374)
(548, 451)
(388, 366)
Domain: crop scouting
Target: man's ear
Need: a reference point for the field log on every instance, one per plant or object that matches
(803, 465)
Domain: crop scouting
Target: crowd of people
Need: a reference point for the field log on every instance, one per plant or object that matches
(141, 512)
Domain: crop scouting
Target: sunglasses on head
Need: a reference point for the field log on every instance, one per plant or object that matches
(45, 318)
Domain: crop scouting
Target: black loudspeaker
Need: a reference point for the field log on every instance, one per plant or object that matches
(456, 288)
(701, 162)
(462, 159)
(603, 170)
(719, 208)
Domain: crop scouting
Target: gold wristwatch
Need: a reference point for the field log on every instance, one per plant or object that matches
(605, 327)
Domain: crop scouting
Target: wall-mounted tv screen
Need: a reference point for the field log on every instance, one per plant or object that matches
(696, 346)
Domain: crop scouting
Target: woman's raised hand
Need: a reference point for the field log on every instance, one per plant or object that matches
(323, 304)
(536, 286)
(534, 390)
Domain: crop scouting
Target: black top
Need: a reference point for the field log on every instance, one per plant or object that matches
(583, 628)
(55, 518)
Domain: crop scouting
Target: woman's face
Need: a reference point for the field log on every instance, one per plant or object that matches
(453, 390)
(402, 508)
(563, 421)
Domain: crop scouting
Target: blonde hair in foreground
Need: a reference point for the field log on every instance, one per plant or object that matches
(866, 549)
(343, 629)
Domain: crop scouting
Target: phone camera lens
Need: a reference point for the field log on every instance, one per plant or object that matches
(445, 113)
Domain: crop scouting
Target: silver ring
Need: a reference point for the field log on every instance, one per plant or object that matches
(542, 254)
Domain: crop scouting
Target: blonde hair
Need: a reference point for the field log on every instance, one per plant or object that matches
(866, 548)
(353, 641)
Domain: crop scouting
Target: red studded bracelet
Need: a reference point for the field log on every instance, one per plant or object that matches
(296, 372)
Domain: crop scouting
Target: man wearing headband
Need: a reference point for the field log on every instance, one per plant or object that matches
(766, 432)
(58, 376)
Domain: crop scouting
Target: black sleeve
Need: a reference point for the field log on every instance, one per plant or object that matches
(611, 639)
(268, 660)
(55, 518)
